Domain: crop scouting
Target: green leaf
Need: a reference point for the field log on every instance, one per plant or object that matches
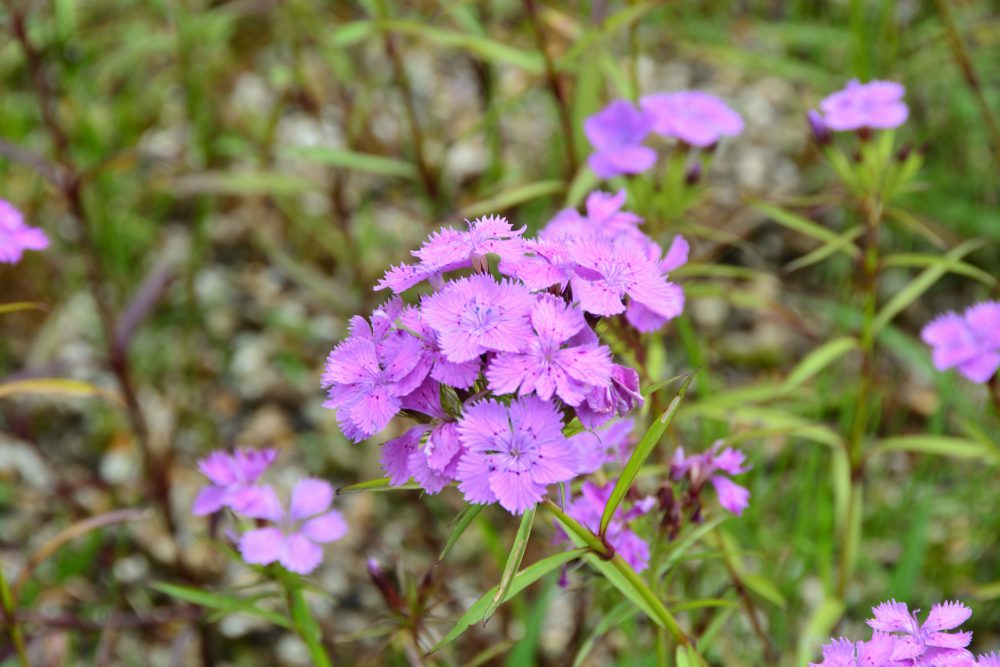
(21, 305)
(522, 580)
(640, 454)
(380, 485)
(955, 266)
(513, 197)
(958, 448)
(818, 628)
(353, 160)
(624, 586)
(239, 183)
(513, 561)
(220, 602)
(817, 360)
(844, 243)
(487, 49)
(462, 521)
(922, 283)
(764, 588)
(805, 226)
(56, 387)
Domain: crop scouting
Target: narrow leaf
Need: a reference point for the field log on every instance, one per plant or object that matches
(462, 521)
(378, 486)
(805, 227)
(640, 454)
(220, 602)
(56, 387)
(959, 448)
(618, 615)
(513, 561)
(522, 580)
(513, 197)
(487, 49)
(817, 360)
(355, 161)
(843, 243)
(21, 305)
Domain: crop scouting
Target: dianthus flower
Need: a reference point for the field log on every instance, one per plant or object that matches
(609, 272)
(588, 509)
(234, 478)
(549, 363)
(969, 342)
(368, 374)
(15, 236)
(927, 643)
(617, 132)
(877, 652)
(460, 375)
(512, 453)
(876, 105)
(433, 466)
(295, 539)
(616, 400)
(604, 217)
(595, 448)
(476, 314)
(696, 118)
(449, 249)
(707, 467)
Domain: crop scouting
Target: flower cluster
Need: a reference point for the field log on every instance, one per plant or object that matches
(15, 236)
(494, 361)
(900, 640)
(294, 537)
(699, 469)
(969, 342)
(617, 132)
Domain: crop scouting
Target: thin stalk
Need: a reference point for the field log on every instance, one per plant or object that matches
(552, 77)
(607, 553)
(305, 624)
(10, 620)
(964, 62)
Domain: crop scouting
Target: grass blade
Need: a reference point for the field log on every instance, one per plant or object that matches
(355, 161)
(462, 521)
(513, 561)
(817, 360)
(806, 227)
(513, 197)
(640, 454)
(220, 602)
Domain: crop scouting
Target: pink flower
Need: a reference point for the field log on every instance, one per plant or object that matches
(926, 643)
(616, 400)
(550, 363)
(15, 236)
(969, 342)
(233, 478)
(880, 651)
(476, 314)
(295, 539)
(706, 467)
(617, 132)
(595, 448)
(433, 466)
(696, 118)
(588, 509)
(877, 105)
(369, 374)
(512, 453)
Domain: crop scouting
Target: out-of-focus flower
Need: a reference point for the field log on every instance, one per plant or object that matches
(696, 118)
(234, 478)
(15, 236)
(476, 314)
(597, 447)
(876, 105)
(821, 133)
(969, 342)
(927, 643)
(707, 467)
(617, 132)
(512, 453)
(588, 509)
(295, 539)
(548, 364)
(616, 400)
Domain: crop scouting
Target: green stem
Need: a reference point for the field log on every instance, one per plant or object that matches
(594, 543)
(305, 623)
(10, 619)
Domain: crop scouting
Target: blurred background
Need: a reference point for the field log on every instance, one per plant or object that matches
(223, 182)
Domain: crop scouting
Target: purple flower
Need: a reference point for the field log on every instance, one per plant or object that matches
(233, 478)
(989, 660)
(696, 118)
(449, 249)
(476, 314)
(616, 400)
(877, 105)
(608, 272)
(588, 509)
(15, 236)
(617, 132)
(969, 342)
(926, 644)
(821, 133)
(433, 466)
(605, 217)
(369, 374)
(594, 448)
(880, 651)
(550, 363)
(460, 375)
(295, 539)
(706, 467)
(512, 453)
